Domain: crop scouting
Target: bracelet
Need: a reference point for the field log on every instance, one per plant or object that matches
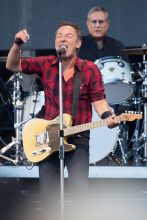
(18, 41)
(106, 114)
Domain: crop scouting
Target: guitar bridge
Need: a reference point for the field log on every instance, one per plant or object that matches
(43, 150)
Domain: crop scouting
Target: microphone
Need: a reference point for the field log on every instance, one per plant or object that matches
(62, 50)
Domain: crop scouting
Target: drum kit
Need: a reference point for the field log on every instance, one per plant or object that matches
(126, 89)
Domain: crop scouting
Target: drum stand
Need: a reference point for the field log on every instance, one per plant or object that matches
(18, 107)
(122, 141)
(144, 92)
(143, 138)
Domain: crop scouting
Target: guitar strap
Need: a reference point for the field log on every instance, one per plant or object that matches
(76, 92)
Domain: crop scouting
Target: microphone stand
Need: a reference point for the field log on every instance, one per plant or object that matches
(61, 147)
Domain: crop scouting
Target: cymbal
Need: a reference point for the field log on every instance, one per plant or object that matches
(135, 51)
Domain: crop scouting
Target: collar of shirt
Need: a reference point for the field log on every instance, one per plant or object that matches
(104, 39)
(78, 62)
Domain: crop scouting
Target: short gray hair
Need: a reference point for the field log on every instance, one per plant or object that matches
(97, 8)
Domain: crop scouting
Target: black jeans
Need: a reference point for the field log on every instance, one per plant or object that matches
(77, 163)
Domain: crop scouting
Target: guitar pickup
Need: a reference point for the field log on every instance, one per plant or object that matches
(42, 138)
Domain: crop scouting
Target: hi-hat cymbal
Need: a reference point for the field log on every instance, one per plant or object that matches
(135, 51)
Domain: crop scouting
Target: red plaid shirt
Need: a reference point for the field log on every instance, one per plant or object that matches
(92, 88)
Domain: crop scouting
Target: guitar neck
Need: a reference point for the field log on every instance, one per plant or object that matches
(84, 127)
(99, 123)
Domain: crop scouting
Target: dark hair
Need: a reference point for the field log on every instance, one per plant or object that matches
(97, 8)
(75, 26)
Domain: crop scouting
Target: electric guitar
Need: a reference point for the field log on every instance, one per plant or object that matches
(41, 138)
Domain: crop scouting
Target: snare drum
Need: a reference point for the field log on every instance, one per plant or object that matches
(117, 79)
(33, 104)
(102, 141)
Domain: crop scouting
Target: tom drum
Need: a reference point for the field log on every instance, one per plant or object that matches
(117, 79)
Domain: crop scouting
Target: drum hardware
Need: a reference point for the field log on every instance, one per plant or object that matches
(33, 104)
(136, 72)
(136, 100)
(143, 52)
(18, 107)
(130, 152)
(136, 149)
(135, 141)
(144, 94)
(114, 159)
(136, 51)
(24, 110)
(122, 142)
(4, 93)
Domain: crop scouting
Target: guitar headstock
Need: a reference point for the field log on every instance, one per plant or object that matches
(130, 116)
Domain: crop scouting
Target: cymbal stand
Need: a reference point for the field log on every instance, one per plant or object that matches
(144, 92)
(18, 113)
(136, 149)
(18, 107)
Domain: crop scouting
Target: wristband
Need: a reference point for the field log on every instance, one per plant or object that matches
(18, 41)
(106, 114)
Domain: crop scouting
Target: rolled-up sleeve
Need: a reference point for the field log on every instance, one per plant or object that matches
(97, 91)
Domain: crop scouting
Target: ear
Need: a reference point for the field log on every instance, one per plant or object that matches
(79, 43)
(108, 24)
(88, 24)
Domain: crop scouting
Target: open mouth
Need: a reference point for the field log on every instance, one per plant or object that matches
(62, 49)
(63, 46)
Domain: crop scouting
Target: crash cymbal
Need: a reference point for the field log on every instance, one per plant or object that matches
(135, 51)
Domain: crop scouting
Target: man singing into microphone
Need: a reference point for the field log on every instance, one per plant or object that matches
(68, 40)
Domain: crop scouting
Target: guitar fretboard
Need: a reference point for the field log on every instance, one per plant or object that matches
(84, 127)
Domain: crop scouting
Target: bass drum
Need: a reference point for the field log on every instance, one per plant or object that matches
(33, 104)
(102, 141)
(117, 79)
